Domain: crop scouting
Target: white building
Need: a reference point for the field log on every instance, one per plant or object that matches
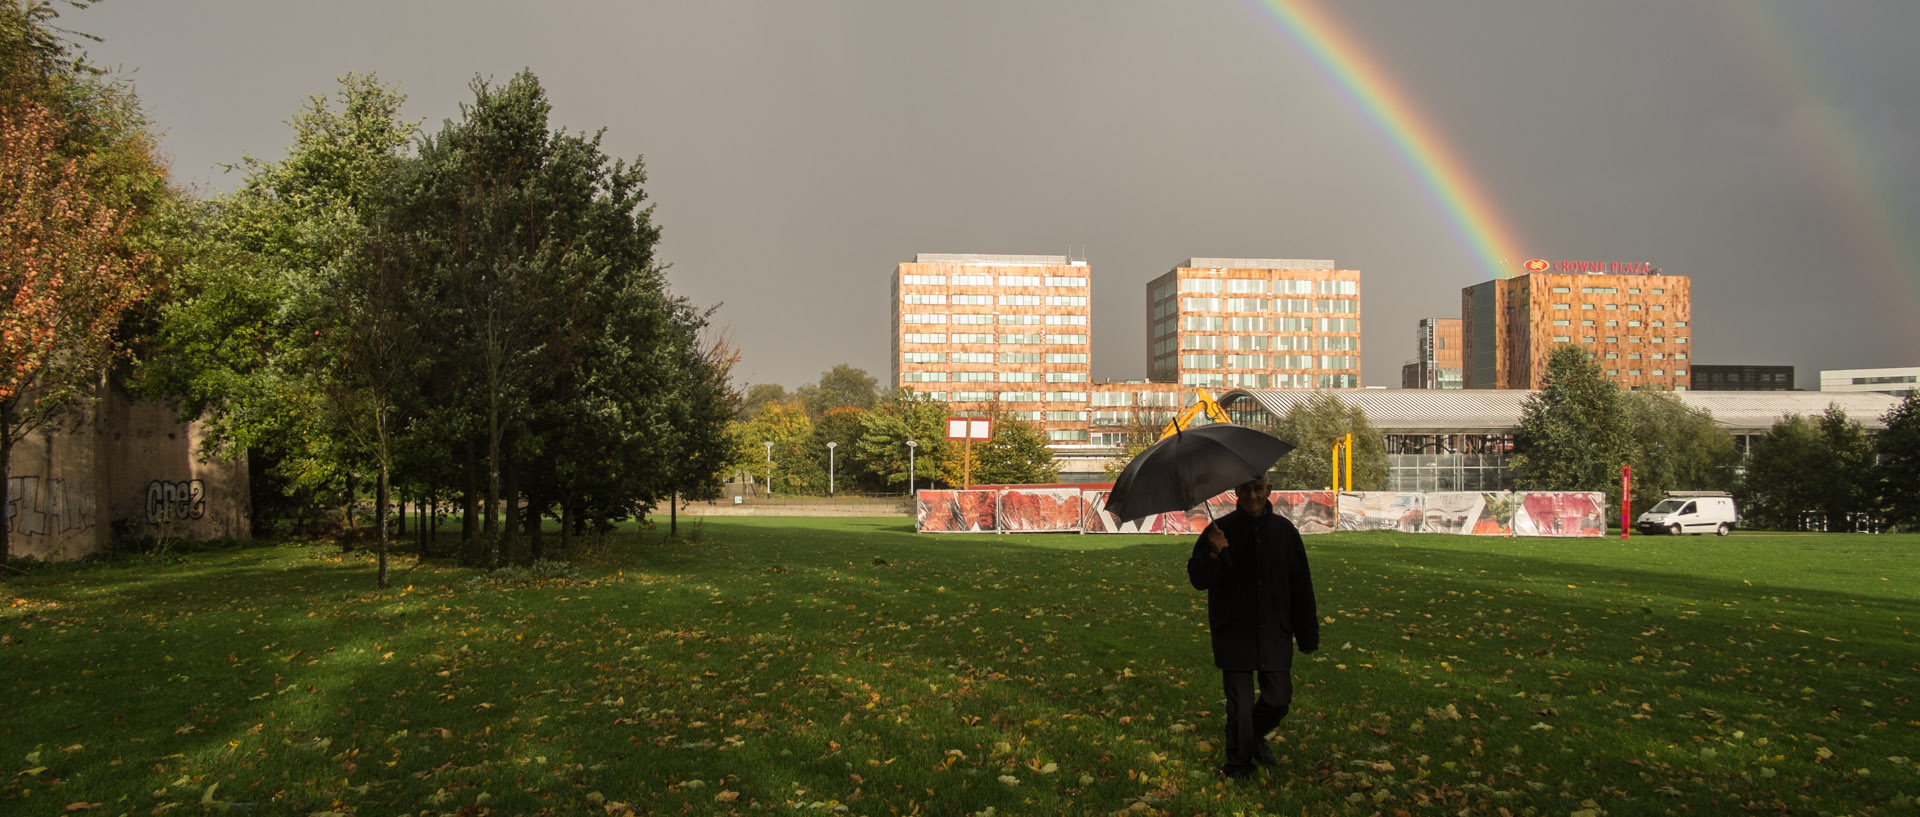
(1896, 382)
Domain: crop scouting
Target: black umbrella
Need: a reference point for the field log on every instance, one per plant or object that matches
(1190, 467)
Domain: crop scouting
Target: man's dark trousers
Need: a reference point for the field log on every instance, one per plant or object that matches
(1249, 716)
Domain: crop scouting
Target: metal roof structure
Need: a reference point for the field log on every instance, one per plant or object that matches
(1498, 411)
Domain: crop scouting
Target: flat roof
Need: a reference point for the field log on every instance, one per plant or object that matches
(990, 260)
(1258, 263)
(1498, 411)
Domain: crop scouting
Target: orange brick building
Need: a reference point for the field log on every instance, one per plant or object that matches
(1012, 331)
(1221, 323)
(1631, 318)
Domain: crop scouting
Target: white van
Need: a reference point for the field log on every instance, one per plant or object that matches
(1694, 512)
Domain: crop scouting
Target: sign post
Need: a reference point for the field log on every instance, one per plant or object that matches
(968, 430)
(1626, 500)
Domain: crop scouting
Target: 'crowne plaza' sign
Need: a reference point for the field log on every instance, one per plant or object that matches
(1593, 267)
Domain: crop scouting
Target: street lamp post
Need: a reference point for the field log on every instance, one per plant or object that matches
(769, 444)
(911, 445)
(830, 446)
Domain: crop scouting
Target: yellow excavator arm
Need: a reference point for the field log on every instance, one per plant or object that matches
(1203, 403)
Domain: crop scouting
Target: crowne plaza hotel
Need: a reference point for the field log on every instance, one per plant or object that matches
(1631, 318)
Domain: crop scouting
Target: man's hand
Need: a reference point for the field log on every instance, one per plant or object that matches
(1216, 539)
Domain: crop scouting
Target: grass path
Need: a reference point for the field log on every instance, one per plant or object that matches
(824, 665)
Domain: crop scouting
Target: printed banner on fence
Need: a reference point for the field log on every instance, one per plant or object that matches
(1310, 511)
(1474, 513)
(1099, 520)
(1040, 510)
(1382, 510)
(1560, 513)
(955, 511)
(1197, 518)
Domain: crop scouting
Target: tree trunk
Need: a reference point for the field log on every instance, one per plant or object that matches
(346, 519)
(673, 515)
(380, 523)
(470, 510)
(510, 511)
(566, 526)
(400, 527)
(496, 542)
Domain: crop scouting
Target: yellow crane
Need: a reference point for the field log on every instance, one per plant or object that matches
(1203, 403)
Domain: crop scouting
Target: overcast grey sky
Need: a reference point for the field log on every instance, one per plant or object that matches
(797, 151)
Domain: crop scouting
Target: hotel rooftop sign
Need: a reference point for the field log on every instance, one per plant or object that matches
(1594, 267)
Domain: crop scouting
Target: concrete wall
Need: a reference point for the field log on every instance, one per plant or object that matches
(123, 468)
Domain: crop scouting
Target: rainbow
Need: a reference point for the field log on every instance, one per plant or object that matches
(1345, 60)
(1835, 157)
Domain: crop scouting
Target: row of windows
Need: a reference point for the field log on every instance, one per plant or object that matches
(1021, 339)
(1609, 290)
(1269, 362)
(989, 377)
(1136, 398)
(1196, 323)
(1616, 339)
(1248, 380)
(1262, 343)
(1004, 320)
(1322, 306)
(1261, 286)
(1005, 280)
(932, 299)
(1630, 307)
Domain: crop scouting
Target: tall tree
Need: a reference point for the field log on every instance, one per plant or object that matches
(1674, 447)
(1016, 455)
(786, 427)
(66, 279)
(1572, 434)
(1898, 472)
(1313, 426)
(504, 211)
(839, 387)
(760, 396)
(907, 415)
(1808, 466)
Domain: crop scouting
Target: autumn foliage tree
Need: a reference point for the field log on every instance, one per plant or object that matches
(66, 279)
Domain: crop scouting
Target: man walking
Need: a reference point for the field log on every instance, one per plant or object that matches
(1260, 603)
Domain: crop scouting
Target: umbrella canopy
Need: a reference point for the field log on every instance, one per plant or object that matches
(1190, 467)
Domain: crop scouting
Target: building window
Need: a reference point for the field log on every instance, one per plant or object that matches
(923, 337)
(973, 319)
(1019, 377)
(973, 280)
(1587, 339)
(1020, 357)
(1066, 340)
(1070, 281)
(1562, 322)
(1562, 339)
(973, 300)
(1563, 306)
(1066, 300)
(970, 357)
(1019, 300)
(1587, 307)
(924, 280)
(924, 298)
(1066, 377)
(1065, 357)
(1246, 286)
(1246, 305)
(1200, 285)
(1030, 339)
(921, 357)
(972, 338)
(1066, 320)
(1558, 290)
(1020, 280)
(923, 317)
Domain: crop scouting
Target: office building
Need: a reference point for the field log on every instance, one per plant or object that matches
(1896, 382)
(1436, 363)
(1220, 323)
(1712, 377)
(1006, 332)
(1631, 318)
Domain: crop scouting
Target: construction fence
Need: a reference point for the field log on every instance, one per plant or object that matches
(1083, 510)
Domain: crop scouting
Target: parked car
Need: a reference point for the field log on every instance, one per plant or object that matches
(1694, 512)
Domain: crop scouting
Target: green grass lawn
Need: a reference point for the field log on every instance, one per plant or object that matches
(819, 666)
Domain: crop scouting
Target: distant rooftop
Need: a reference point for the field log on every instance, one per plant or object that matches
(989, 260)
(1258, 263)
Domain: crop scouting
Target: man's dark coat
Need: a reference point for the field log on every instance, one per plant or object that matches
(1259, 593)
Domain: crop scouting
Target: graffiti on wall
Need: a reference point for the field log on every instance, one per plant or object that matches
(175, 501)
(37, 507)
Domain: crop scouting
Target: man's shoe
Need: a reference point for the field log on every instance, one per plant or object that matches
(1234, 772)
(1263, 755)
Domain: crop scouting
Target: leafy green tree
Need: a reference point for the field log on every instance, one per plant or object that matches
(290, 328)
(810, 465)
(1808, 466)
(1572, 434)
(1313, 426)
(761, 395)
(839, 387)
(1673, 447)
(1898, 471)
(787, 427)
(1016, 455)
(907, 415)
(702, 444)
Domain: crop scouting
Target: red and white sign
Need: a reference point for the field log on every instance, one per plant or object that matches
(962, 428)
(1593, 267)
